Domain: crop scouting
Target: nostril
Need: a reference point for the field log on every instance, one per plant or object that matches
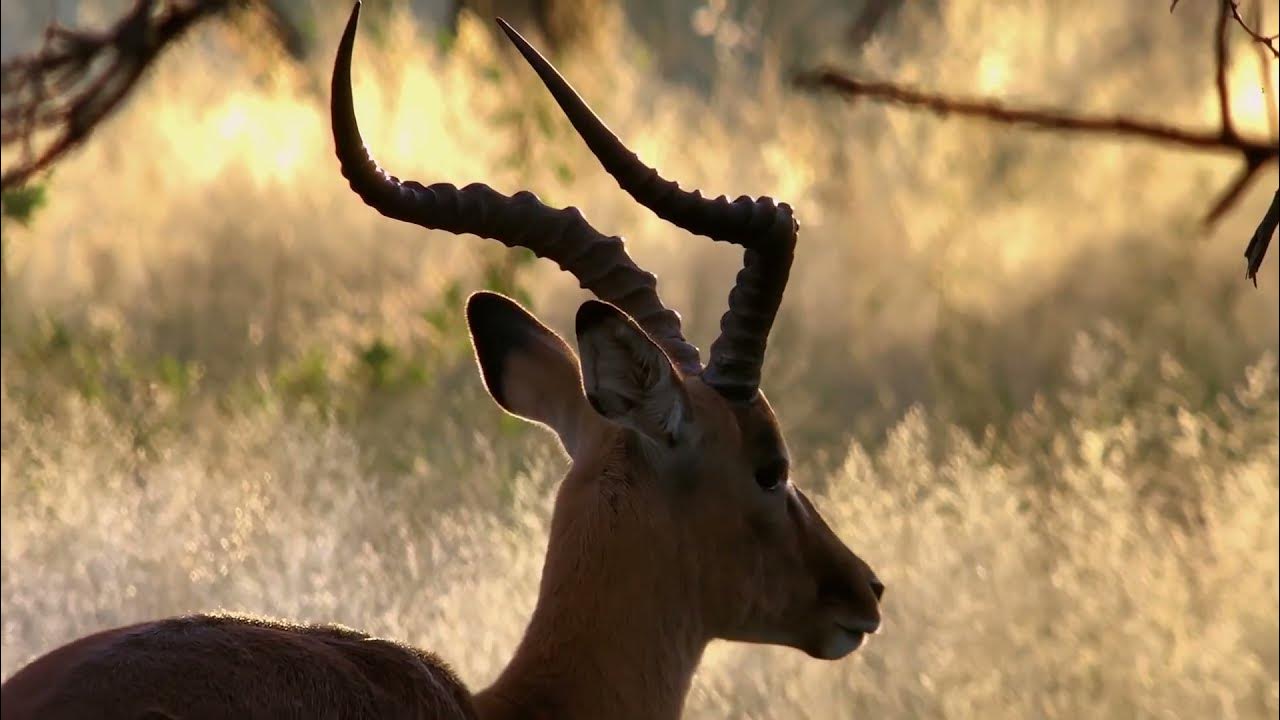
(877, 587)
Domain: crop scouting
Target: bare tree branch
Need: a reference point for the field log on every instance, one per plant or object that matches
(1270, 42)
(1262, 238)
(1231, 193)
(1222, 62)
(55, 97)
(1255, 153)
(1036, 118)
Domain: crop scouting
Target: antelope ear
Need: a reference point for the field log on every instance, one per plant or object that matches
(627, 377)
(527, 368)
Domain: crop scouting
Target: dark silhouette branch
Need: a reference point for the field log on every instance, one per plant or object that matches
(1255, 153)
(1270, 42)
(55, 97)
(1221, 64)
(1262, 238)
(1035, 118)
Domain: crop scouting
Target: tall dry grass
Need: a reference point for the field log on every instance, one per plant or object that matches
(1022, 384)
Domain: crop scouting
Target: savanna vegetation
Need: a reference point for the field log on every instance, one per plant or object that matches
(1021, 380)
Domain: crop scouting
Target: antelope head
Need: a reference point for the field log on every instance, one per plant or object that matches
(679, 514)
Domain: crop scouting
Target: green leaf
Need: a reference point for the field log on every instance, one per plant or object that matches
(20, 203)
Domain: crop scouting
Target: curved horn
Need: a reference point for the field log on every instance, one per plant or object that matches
(767, 231)
(600, 263)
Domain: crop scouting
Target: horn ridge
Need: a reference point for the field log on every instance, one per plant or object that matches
(766, 230)
(600, 263)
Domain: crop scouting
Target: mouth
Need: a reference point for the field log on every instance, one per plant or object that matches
(840, 642)
(856, 636)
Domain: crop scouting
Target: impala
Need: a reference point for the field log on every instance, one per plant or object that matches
(677, 523)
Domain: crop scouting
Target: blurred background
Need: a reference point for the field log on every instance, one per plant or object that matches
(1021, 377)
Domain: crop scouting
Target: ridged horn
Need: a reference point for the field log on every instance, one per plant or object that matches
(600, 263)
(767, 232)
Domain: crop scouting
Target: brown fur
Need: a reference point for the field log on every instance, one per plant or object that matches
(231, 666)
(656, 549)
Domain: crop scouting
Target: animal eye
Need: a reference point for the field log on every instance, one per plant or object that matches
(772, 476)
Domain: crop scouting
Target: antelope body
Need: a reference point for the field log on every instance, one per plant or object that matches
(676, 524)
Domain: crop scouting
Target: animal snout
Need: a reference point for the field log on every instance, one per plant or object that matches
(859, 604)
(856, 589)
(862, 625)
(877, 587)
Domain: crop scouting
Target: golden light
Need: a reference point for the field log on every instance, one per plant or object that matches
(993, 72)
(1249, 102)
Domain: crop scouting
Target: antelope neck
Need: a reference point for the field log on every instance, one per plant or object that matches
(613, 635)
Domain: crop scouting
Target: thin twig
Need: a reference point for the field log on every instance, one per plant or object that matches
(55, 97)
(1263, 58)
(1221, 63)
(1270, 42)
(1232, 192)
(1037, 118)
(1254, 152)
